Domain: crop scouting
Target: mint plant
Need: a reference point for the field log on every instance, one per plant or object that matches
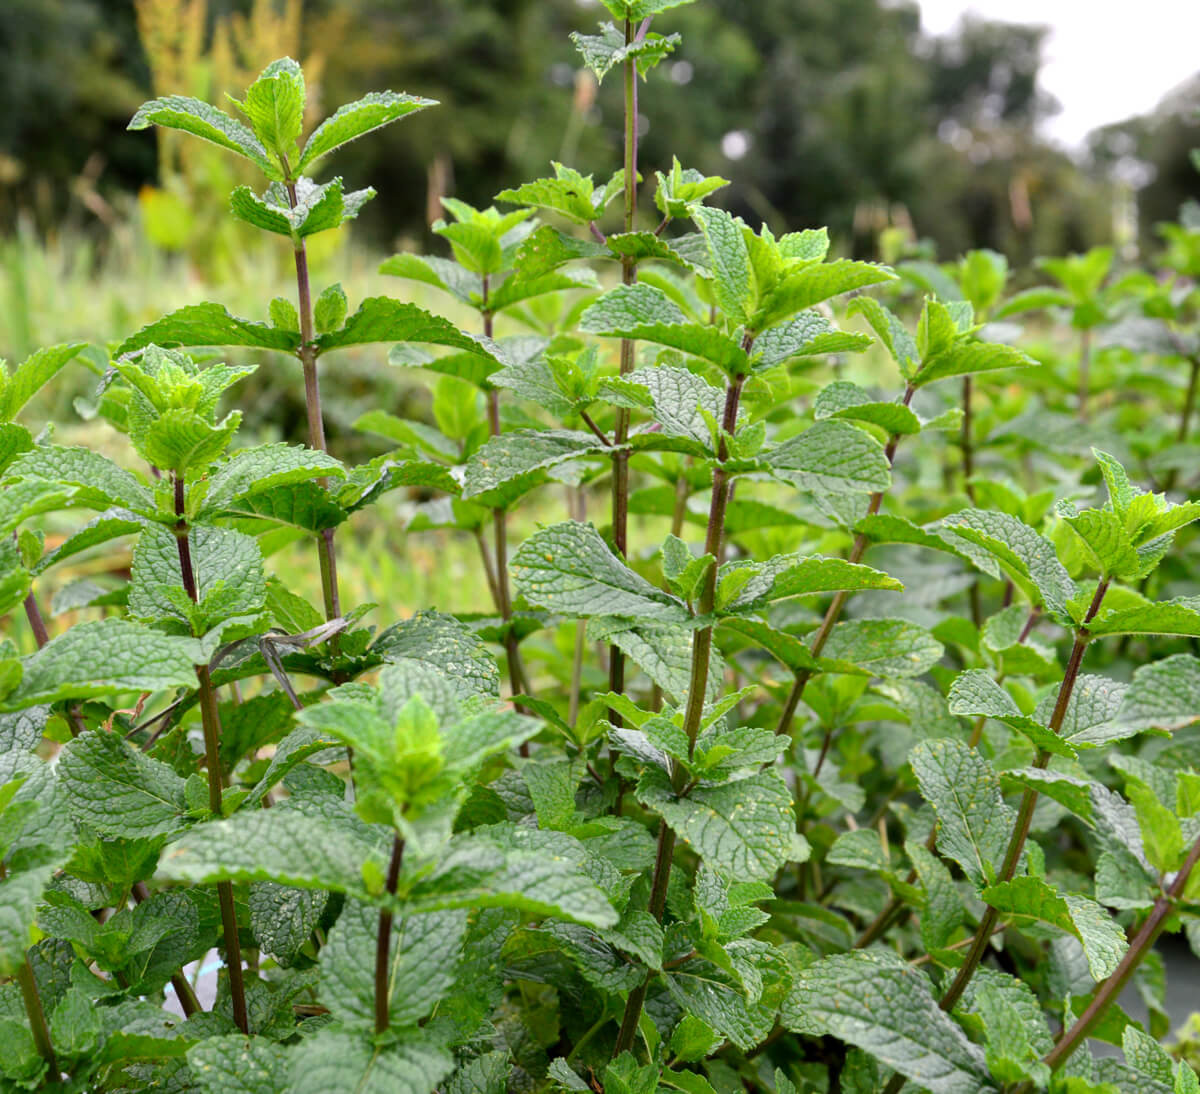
(806, 777)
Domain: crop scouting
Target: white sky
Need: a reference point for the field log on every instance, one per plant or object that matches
(1105, 60)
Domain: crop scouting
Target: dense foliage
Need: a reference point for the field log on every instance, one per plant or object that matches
(705, 802)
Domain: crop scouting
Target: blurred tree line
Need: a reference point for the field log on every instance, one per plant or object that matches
(837, 112)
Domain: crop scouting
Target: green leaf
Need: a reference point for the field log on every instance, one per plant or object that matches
(967, 357)
(892, 334)
(117, 791)
(1162, 695)
(227, 568)
(209, 325)
(831, 456)
(382, 319)
(1025, 555)
(413, 1061)
(794, 575)
(233, 1064)
(547, 874)
(647, 314)
(444, 643)
(1108, 545)
(884, 647)
(569, 569)
(282, 918)
(107, 526)
(253, 471)
(421, 965)
(31, 375)
(664, 652)
(743, 829)
(1030, 899)
(604, 51)
(845, 400)
(20, 893)
(813, 284)
(274, 106)
(733, 276)
(356, 119)
(441, 273)
(310, 849)
(569, 194)
(683, 403)
(888, 1010)
(205, 121)
(975, 694)
(107, 657)
(974, 823)
(683, 188)
(520, 455)
(1179, 616)
(98, 482)
(808, 335)
(942, 913)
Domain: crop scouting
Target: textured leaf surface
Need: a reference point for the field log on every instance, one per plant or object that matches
(382, 319)
(966, 358)
(413, 1062)
(681, 401)
(568, 568)
(808, 335)
(845, 400)
(1164, 695)
(119, 792)
(309, 849)
(282, 918)
(743, 828)
(421, 966)
(974, 823)
(832, 456)
(1021, 551)
(1030, 898)
(445, 643)
(647, 314)
(1180, 616)
(522, 453)
(884, 647)
(794, 575)
(209, 325)
(103, 658)
(889, 1011)
(239, 1065)
(353, 120)
(99, 483)
(205, 121)
(255, 471)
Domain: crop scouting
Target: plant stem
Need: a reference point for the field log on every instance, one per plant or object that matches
(38, 625)
(383, 942)
(37, 1017)
(697, 688)
(1138, 948)
(326, 554)
(210, 720)
(620, 458)
(1016, 843)
(834, 612)
(517, 680)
